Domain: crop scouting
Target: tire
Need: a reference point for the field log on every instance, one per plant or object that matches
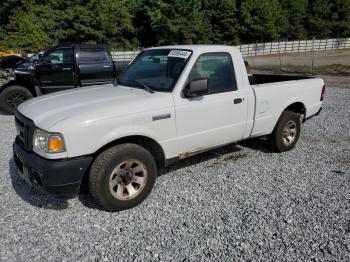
(116, 170)
(12, 96)
(286, 132)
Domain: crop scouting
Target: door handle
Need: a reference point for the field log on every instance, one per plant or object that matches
(66, 68)
(238, 100)
(106, 66)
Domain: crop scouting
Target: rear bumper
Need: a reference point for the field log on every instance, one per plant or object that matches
(61, 178)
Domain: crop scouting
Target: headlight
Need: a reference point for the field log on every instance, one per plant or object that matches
(46, 142)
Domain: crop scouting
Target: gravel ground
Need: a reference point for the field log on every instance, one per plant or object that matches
(240, 202)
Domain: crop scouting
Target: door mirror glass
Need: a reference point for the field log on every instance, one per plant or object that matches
(196, 88)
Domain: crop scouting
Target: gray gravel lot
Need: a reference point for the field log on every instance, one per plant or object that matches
(241, 202)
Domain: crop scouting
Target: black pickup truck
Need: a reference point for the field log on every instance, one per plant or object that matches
(58, 68)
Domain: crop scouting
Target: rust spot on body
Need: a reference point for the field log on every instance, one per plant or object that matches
(191, 153)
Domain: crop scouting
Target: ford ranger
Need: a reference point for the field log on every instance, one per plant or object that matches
(168, 104)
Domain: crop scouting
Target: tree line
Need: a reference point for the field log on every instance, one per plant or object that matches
(31, 25)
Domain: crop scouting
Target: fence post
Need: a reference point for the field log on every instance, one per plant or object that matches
(279, 55)
(256, 47)
(285, 47)
(271, 49)
(264, 49)
(313, 56)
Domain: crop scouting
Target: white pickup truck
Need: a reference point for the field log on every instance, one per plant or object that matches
(170, 103)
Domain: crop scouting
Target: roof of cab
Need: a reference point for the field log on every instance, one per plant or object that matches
(196, 48)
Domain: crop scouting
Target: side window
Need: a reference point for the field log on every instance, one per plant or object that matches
(62, 55)
(92, 55)
(218, 69)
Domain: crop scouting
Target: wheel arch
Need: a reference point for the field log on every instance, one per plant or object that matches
(30, 87)
(148, 143)
(298, 108)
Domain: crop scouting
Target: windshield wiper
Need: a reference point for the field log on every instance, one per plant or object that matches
(146, 87)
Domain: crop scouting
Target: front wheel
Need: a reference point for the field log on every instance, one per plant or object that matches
(12, 96)
(286, 132)
(122, 176)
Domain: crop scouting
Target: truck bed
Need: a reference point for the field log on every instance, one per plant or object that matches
(257, 79)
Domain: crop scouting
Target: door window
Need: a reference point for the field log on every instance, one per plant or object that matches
(218, 69)
(92, 55)
(62, 55)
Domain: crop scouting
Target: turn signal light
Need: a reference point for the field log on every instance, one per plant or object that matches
(55, 144)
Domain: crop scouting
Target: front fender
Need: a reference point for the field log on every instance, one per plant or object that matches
(120, 133)
(87, 138)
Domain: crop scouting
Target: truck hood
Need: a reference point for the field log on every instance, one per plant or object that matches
(24, 68)
(89, 104)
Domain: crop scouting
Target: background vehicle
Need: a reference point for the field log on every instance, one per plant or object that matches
(171, 103)
(58, 68)
(12, 61)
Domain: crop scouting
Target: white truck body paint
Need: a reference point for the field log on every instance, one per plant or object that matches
(91, 117)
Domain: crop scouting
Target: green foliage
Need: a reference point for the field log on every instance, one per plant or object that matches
(340, 18)
(222, 21)
(30, 25)
(295, 13)
(259, 20)
(318, 22)
(28, 29)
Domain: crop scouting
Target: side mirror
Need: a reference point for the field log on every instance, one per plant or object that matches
(41, 59)
(44, 60)
(196, 88)
(247, 66)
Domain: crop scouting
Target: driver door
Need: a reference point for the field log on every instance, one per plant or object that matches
(217, 117)
(56, 71)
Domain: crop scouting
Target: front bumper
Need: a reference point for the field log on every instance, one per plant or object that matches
(61, 178)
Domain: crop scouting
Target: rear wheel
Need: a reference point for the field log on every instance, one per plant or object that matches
(286, 132)
(122, 176)
(12, 96)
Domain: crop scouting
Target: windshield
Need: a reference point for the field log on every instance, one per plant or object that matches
(157, 69)
(33, 57)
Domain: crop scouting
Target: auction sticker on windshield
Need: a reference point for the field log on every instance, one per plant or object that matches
(180, 54)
